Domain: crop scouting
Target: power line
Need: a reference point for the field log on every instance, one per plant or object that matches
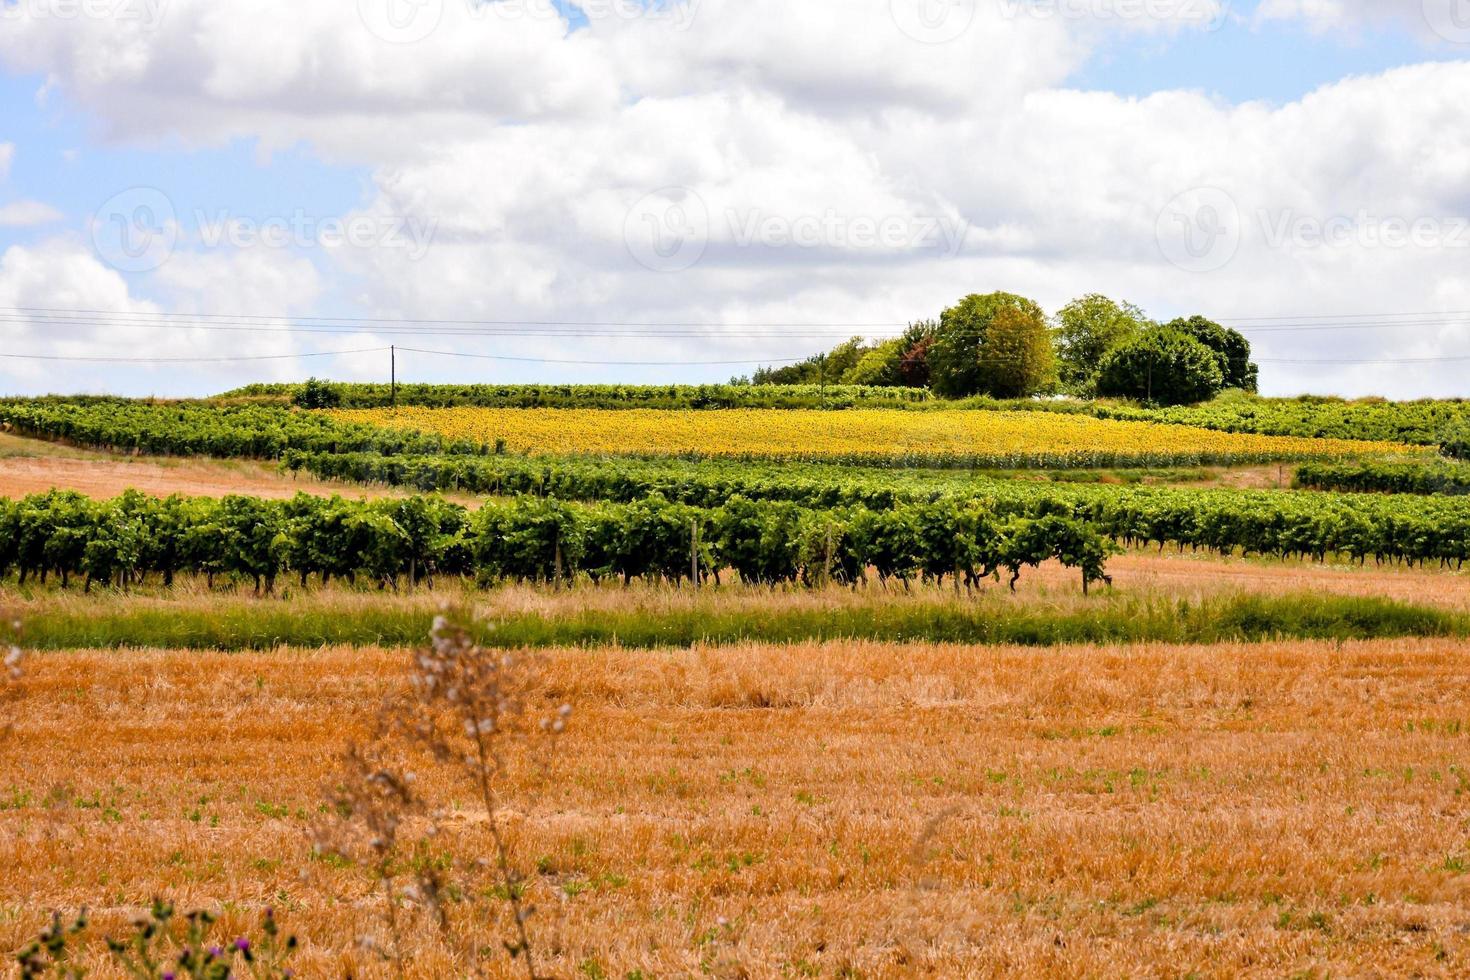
(442, 322)
(547, 360)
(1443, 359)
(633, 329)
(189, 360)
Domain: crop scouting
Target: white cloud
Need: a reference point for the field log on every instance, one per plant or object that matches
(62, 274)
(1436, 22)
(7, 154)
(803, 135)
(27, 214)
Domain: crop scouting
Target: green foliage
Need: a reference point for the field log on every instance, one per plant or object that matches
(1440, 477)
(203, 429)
(960, 361)
(879, 365)
(161, 948)
(525, 539)
(317, 394)
(1017, 355)
(1107, 618)
(1424, 423)
(1161, 367)
(1086, 329)
(1231, 349)
(808, 393)
(1258, 522)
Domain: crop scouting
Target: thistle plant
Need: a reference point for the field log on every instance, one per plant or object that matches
(471, 713)
(159, 950)
(47, 955)
(156, 951)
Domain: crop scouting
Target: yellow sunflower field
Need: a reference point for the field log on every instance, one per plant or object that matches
(881, 437)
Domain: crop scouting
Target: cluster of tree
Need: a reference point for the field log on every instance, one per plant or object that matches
(1004, 346)
(122, 541)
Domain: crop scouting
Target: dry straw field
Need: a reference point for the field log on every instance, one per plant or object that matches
(810, 810)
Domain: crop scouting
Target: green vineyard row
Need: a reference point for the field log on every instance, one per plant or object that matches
(121, 541)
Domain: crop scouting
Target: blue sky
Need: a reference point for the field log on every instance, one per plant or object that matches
(519, 147)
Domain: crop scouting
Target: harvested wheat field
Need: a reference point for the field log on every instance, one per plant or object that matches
(809, 810)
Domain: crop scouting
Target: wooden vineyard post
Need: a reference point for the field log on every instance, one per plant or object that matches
(694, 552)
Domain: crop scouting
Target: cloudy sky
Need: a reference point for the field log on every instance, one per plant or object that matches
(625, 191)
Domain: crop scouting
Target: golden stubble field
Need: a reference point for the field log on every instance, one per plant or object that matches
(883, 810)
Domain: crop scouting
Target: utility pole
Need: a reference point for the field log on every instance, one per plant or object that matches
(393, 376)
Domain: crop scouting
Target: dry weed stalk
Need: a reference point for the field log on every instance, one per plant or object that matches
(467, 710)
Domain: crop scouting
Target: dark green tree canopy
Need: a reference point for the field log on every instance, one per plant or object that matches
(1230, 346)
(957, 363)
(1086, 329)
(1161, 366)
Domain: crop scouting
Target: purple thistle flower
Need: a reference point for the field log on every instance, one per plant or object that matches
(242, 944)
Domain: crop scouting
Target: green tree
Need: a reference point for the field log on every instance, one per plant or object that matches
(1018, 357)
(1231, 349)
(959, 362)
(1086, 329)
(878, 366)
(1161, 366)
(317, 394)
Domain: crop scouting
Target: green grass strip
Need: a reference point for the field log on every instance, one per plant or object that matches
(1230, 618)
